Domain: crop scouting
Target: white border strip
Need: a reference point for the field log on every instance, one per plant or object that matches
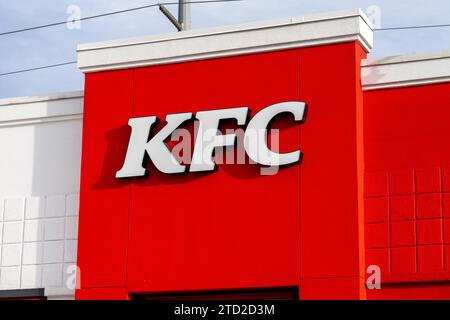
(30, 110)
(50, 97)
(405, 71)
(281, 34)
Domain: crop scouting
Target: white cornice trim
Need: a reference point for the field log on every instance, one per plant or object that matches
(405, 70)
(50, 97)
(13, 123)
(32, 110)
(327, 28)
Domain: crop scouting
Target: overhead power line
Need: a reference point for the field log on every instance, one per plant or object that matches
(92, 17)
(167, 3)
(426, 26)
(39, 68)
(110, 14)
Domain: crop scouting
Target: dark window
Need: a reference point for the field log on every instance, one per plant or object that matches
(23, 294)
(282, 293)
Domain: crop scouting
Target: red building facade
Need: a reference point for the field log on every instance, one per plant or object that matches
(370, 188)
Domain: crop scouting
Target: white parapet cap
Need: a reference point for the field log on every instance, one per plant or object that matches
(288, 33)
(29, 110)
(405, 70)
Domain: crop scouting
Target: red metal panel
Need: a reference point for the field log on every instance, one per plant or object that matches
(429, 232)
(402, 207)
(447, 258)
(332, 288)
(331, 233)
(376, 184)
(109, 293)
(401, 181)
(404, 260)
(407, 291)
(237, 229)
(407, 128)
(403, 233)
(227, 229)
(233, 228)
(380, 257)
(377, 209)
(429, 206)
(446, 179)
(446, 205)
(447, 231)
(430, 259)
(406, 136)
(377, 235)
(428, 180)
(103, 225)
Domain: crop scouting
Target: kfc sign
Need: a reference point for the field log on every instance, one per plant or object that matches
(207, 140)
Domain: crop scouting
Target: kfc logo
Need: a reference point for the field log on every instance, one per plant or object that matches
(208, 139)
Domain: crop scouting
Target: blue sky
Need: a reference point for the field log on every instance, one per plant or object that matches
(58, 44)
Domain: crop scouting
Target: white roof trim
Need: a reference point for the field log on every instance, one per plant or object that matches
(405, 70)
(50, 97)
(191, 45)
(31, 110)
